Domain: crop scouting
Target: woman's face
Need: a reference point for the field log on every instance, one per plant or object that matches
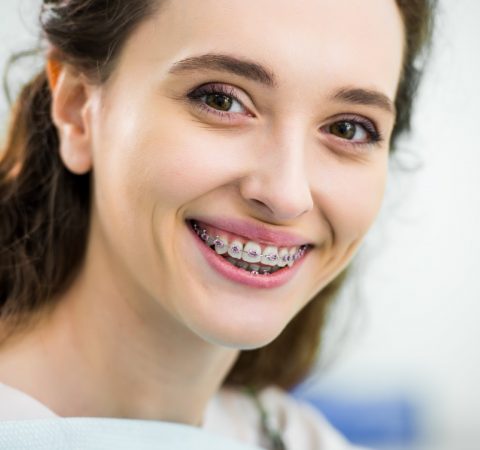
(244, 116)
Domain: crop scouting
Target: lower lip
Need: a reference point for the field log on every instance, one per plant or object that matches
(238, 275)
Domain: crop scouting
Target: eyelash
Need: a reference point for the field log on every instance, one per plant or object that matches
(376, 138)
(197, 94)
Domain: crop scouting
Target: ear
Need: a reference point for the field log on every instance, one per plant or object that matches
(71, 104)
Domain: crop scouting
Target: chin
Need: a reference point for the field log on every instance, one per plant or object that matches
(241, 335)
(236, 320)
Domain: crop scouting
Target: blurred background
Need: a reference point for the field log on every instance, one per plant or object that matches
(401, 364)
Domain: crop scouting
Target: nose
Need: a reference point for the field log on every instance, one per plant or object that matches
(278, 185)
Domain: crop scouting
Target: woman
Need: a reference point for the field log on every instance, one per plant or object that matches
(181, 193)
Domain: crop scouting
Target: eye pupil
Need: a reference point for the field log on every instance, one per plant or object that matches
(219, 101)
(345, 130)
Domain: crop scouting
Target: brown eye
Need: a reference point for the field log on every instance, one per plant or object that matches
(354, 131)
(219, 101)
(344, 130)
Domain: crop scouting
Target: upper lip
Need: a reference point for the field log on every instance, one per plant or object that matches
(255, 231)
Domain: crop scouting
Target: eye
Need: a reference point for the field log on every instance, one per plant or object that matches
(348, 130)
(354, 131)
(222, 102)
(218, 99)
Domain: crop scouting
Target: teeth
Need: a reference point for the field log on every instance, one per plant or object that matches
(235, 249)
(249, 267)
(292, 254)
(242, 264)
(270, 256)
(232, 261)
(252, 252)
(221, 244)
(283, 256)
(246, 255)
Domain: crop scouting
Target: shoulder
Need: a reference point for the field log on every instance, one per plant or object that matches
(302, 426)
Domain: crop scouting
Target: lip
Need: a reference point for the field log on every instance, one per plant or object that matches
(255, 232)
(238, 275)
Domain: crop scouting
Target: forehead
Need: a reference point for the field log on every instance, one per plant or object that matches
(315, 43)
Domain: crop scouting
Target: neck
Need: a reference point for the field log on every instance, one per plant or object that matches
(99, 355)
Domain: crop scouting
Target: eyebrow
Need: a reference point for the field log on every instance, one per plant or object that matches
(226, 63)
(366, 97)
(261, 74)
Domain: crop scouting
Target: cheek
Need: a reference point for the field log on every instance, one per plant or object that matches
(153, 150)
(171, 164)
(353, 199)
(145, 158)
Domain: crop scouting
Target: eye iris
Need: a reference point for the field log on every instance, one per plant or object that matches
(345, 130)
(219, 101)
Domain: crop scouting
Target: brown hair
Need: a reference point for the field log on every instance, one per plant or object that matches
(45, 208)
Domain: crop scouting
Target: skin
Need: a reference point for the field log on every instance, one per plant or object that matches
(148, 330)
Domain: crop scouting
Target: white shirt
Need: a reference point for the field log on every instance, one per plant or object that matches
(230, 413)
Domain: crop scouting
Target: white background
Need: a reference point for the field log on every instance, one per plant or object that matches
(415, 312)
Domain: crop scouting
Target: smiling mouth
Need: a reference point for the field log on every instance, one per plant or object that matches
(249, 255)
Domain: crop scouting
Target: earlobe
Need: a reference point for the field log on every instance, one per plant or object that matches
(71, 116)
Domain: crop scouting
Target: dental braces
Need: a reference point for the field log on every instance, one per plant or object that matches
(220, 245)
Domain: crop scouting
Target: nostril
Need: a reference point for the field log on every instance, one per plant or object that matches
(261, 204)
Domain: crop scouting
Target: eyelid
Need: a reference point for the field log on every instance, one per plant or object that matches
(198, 92)
(371, 128)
